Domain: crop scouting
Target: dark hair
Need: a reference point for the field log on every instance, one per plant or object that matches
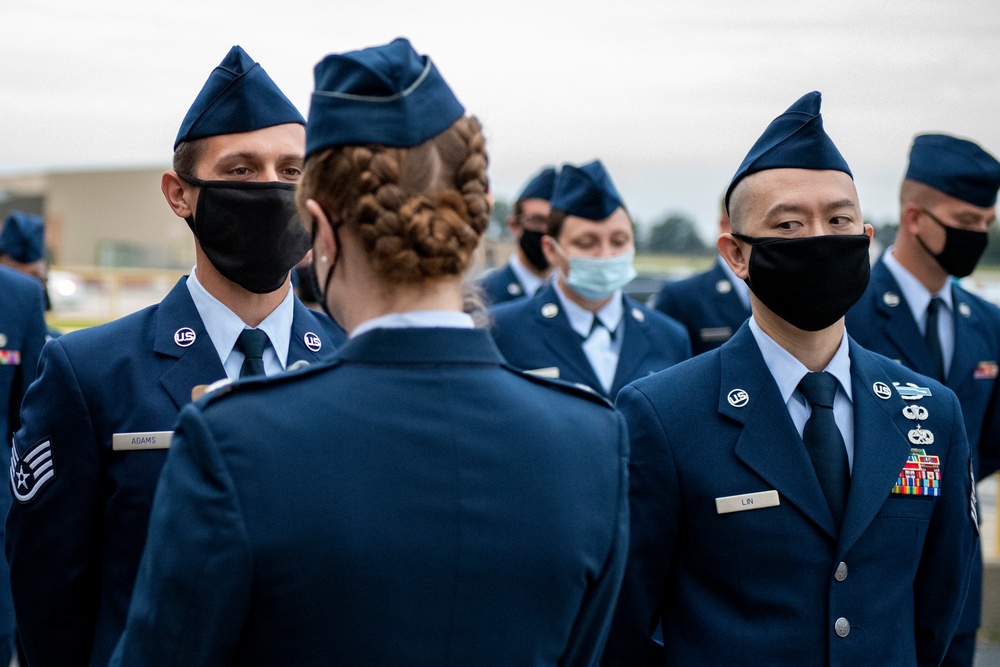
(556, 220)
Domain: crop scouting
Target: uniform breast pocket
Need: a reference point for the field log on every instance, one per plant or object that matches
(899, 506)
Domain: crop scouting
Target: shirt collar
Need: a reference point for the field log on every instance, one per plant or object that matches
(418, 319)
(917, 296)
(789, 371)
(224, 326)
(582, 320)
(529, 281)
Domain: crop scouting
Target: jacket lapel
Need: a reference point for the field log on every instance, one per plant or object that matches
(177, 321)
(969, 334)
(881, 446)
(309, 341)
(635, 347)
(561, 340)
(896, 321)
(769, 443)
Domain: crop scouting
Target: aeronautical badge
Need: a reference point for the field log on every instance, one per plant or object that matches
(916, 412)
(911, 392)
(30, 473)
(920, 476)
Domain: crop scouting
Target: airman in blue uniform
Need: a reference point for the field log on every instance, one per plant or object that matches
(527, 270)
(948, 201)
(711, 305)
(97, 422)
(796, 499)
(22, 335)
(581, 328)
(398, 521)
(22, 247)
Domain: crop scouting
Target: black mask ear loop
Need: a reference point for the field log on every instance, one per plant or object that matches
(322, 291)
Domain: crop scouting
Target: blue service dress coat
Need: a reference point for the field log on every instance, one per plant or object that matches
(22, 335)
(427, 505)
(535, 335)
(500, 285)
(707, 305)
(779, 584)
(882, 321)
(104, 402)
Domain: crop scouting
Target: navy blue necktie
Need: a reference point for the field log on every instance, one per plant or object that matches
(824, 441)
(933, 338)
(252, 343)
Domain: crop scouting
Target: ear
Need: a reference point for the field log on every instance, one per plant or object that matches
(513, 226)
(736, 253)
(909, 218)
(324, 244)
(177, 193)
(552, 254)
(870, 231)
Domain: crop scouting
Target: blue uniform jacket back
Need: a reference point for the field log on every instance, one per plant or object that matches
(413, 503)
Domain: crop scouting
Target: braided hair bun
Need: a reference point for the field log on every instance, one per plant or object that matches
(419, 212)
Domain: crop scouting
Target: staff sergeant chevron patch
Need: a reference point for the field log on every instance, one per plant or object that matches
(31, 472)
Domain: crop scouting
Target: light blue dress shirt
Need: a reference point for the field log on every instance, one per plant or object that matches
(224, 327)
(789, 371)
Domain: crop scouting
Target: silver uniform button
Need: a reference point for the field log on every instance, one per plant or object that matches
(550, 310)
(841, 572)
(842, 627)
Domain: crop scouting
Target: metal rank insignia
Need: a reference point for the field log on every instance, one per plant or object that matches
(920, 476)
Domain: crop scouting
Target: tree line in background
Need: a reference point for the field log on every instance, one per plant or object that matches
(677, 234)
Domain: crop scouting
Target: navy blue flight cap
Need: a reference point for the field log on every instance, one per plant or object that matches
(239, 96)
(388, 95)
(23, 237)
(541, 186)
(586, 192)
(956, 167)
(793, 140)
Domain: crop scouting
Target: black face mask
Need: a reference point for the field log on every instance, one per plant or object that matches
(249, 231)
(531, 243)
(810, 282)
(962, 248)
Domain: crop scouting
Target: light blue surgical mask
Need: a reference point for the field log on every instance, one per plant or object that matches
(598, 278)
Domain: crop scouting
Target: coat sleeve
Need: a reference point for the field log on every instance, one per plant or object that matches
(31, 350)
(654, 505)
(590, 631)
(942, 580)
(53, 527)
(193, 588)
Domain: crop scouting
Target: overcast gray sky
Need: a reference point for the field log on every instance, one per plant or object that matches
(669, 94)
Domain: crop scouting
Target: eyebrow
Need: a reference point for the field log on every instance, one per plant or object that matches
(251, 156)
(782, 208)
